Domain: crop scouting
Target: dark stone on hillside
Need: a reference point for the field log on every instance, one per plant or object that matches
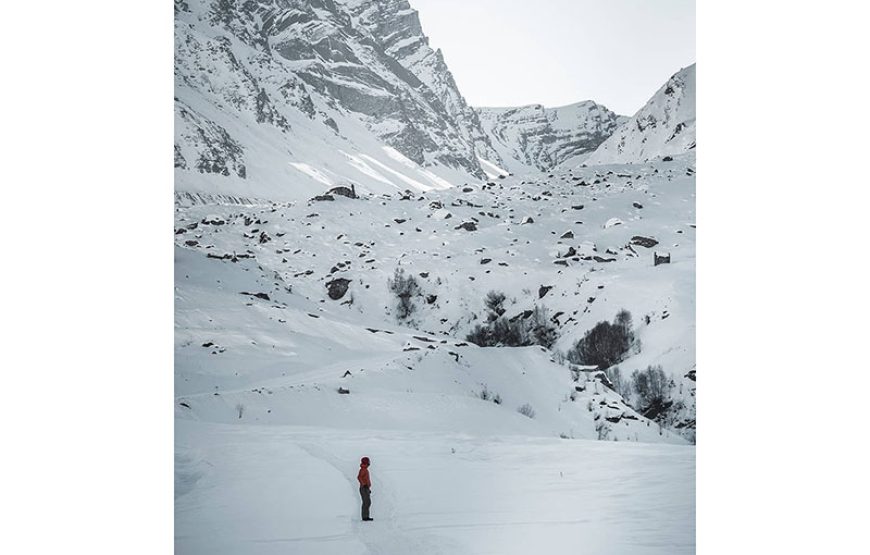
(467, 190)
(602, 377)
(213, 221)
(527, 220)
(424, 274)
(264, 237)
(577, 207)
(668, 159)
(430, 299)
(347, 374)
(232, 257)
(337, 288)
(349, 192)
(263, 296)
(399, 220)
(191, 243)
(571, 252)
(656, 409)
(602, 259)
(208, 344)
(567, 235)
(485, 260)
(613, 419)
(343, 391)
(561, 262)
(691, 375)
(543, 290)
(637, 205)
(467, 226)
(322, 197)
(661, 258)
(180, 230)
(642, 241)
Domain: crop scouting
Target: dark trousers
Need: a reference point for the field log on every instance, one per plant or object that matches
(366, 495)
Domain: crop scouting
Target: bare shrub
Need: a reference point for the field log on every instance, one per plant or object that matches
(405, 287)
(605, 344)
(527, 410)
(620, 385)
(494, 303)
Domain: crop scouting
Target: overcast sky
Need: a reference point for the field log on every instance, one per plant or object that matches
(556, 52)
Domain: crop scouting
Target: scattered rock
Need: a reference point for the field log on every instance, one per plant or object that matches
(642, 241)
(661, 258)
(349, 192)
(337, 288)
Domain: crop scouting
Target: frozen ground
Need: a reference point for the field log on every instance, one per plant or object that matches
(291, 489)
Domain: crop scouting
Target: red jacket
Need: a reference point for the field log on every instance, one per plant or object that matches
(363, 476)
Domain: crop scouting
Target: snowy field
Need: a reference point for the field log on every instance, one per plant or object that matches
(291, 489)
(292, 361)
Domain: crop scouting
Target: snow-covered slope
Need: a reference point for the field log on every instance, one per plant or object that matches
(284, 99)
(291, 362)
(578, 256)
(537, 138)
(664, 126)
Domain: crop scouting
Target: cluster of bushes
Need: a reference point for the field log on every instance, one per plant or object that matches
(605, 344)
(405, 288)
(651, 386)
(534, 328)
(644, 388)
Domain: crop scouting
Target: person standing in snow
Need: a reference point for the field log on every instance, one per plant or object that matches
(365, 487)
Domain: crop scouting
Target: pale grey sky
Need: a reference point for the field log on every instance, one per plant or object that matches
(556, 52)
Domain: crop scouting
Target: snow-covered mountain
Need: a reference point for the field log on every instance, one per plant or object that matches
(356, 273)
(664, 126)
(537, 138)
(283, 99)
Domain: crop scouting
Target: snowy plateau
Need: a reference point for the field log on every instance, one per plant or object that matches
(366, 265)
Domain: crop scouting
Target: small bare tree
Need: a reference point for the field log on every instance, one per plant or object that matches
(405, 288)
(527, 410)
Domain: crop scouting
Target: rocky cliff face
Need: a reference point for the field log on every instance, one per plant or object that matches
(664, 126)
(542, 138)
(402, 37)
(258, 82)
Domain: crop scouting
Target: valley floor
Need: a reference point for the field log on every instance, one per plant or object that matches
(291, 489)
